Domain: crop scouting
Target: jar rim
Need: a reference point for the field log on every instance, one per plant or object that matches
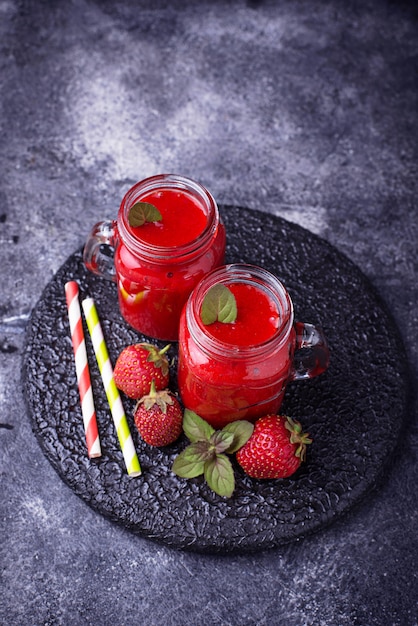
(157, 253)
(233, 273)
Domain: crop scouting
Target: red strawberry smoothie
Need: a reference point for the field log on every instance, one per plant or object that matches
(170, 257)
(230, 371)
(257, 320)
(183, 219)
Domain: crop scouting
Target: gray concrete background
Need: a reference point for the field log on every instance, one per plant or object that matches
(307, 110)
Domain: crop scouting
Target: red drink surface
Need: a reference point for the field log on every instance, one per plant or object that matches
(227, 385)
(183, 219)
(257, 318)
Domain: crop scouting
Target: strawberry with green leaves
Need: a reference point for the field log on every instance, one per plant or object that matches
(158, 417)
(276, 448)
(207, 453)
(138, 365)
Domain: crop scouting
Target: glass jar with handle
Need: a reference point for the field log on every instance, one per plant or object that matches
(157, 263)
(240, 369)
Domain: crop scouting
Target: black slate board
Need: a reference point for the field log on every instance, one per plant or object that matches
(355, 412)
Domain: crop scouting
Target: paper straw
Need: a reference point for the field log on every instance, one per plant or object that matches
(115, 403)
(82, 370)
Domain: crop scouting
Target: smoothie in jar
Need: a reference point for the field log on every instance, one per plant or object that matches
(238, 370)
(158, 260)
(237, 343)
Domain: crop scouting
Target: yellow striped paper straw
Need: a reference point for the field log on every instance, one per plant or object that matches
(115, 403)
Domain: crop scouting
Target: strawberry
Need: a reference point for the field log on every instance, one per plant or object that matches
(276, 448)
(158, 417)
(137, 366)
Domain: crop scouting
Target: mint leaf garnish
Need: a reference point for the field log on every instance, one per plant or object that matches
(195, 428)
(191, 462)
(142, 212)
(221, 441)
(219, 475)
(219, 304)
(241, 430)
(207, 454)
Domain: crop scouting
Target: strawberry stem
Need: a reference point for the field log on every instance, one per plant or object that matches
(298, 437)
(160, 398)
(152, 391)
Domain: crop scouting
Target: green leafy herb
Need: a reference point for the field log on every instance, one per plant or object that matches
(191, 462)
(207, 452)
(142, 212)
(219, 475)
(242, 431)
(221, 441)
(196, 428)
(219, 304)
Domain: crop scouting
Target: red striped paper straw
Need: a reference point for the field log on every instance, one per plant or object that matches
(82, 370)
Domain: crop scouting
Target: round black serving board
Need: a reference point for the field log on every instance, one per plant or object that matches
(354, 412)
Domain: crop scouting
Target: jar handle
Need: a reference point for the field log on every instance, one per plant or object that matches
(312, 353)
(99, 249)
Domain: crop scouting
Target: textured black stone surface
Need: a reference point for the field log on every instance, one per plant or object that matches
(354, 412)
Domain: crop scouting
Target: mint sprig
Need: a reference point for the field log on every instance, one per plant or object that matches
(207, 452)
(219, 304)
(143, 212)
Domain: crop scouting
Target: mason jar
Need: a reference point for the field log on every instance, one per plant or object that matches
(240, 369)
(157, 265)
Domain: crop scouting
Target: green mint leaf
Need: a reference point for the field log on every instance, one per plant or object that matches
(241, 430)
(200, 451)
(142, 212)
(191, 462)
(221, 440)
(219, 475)
(219, 304)
(196, 428)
